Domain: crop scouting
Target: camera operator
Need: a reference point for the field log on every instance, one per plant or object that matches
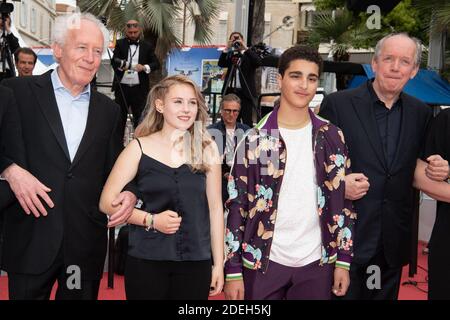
(134, 59)
(8, 44)
(248, 60)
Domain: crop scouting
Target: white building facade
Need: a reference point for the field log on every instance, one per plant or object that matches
(34, 20)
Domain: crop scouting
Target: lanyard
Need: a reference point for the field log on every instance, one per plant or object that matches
(132, 55)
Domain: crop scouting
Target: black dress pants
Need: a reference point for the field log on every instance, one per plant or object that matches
(362, 280)
(135, 98)
(167, 280)
(39, 287)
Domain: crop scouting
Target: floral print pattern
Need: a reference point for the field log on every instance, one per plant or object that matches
(254, 185)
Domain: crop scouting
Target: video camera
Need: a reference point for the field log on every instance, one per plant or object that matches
(236, 44)
(6, 8)
(261, 49)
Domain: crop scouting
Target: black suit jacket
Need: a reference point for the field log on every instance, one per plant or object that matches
(75, 224)
(385, 212)
(11, 143)
(438, 142)
(146, 56)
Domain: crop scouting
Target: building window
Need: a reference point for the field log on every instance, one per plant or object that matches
(178, 28)
(267, 25)
(50, 26)
(41, 26)
(309, 18)
(221, 33)
(33, 20)
(23, 14)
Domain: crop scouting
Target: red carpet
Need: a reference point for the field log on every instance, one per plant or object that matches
(407, 292)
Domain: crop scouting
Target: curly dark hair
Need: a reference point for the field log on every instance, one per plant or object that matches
(299, 52)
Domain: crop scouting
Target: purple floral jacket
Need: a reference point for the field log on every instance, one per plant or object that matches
(254, 185)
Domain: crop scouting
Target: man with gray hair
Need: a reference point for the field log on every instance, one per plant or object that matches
(384, 129)
(71, 139)
(227, 134)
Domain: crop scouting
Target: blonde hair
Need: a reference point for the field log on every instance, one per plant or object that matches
(153, 121)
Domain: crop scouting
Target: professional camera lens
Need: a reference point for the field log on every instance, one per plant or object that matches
(236, 44)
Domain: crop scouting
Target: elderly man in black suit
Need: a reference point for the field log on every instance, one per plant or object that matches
(134, 60)
(71, 139)
(384, 129)
(10, 134)
(10, 137)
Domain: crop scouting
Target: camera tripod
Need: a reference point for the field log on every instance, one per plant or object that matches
(236, 66)
(5, 51)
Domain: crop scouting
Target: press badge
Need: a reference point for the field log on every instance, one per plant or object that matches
(129, 74)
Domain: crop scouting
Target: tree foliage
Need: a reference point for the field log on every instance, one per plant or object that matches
(158, 18)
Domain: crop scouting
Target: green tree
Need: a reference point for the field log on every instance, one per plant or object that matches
(405, 17)
(439, 22)
(158, 19)
(336, 29)
(342, 31)
(323, 5)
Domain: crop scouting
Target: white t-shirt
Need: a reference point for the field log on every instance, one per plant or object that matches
(297, 238)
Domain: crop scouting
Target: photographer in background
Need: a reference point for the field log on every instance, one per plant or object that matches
(25, 61)
(134, 60)
(248, 60)
(8, 44)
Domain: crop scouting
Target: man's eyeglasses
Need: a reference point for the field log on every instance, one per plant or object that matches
(132, 25)
(229, 111)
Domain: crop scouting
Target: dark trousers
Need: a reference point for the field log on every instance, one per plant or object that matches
(167, 280)
(135, 97)
(39, 287)
(362, 275)
(311, 282)
(438, 272)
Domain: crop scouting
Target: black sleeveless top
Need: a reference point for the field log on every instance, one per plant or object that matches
(183, 191)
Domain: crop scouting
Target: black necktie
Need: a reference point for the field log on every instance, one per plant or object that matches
(131, 42)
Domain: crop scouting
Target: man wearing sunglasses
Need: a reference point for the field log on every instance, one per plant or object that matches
(227, 134)
(134, 60)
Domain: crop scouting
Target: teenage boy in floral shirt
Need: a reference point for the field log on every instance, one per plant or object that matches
(289, 227)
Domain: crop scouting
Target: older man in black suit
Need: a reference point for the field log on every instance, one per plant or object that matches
(384, 129)
(11, 147)
(71, 139)
(134, 60)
